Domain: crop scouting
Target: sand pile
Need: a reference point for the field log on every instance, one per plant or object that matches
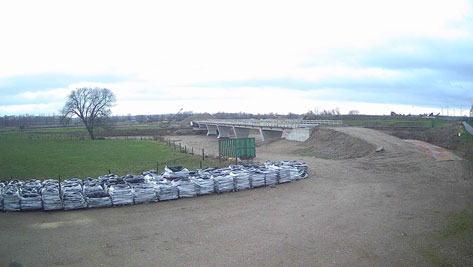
(331, 144)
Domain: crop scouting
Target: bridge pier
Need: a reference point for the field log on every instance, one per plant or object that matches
(224, 131)
(211, 129)
(295, 130)
(241, 132)
(270, 134)
(299, 134)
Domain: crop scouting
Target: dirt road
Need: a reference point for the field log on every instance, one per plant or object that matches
(383, 209)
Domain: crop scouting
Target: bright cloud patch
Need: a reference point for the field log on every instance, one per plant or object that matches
(262, 56)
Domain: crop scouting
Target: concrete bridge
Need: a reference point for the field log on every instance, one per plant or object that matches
(296, 130)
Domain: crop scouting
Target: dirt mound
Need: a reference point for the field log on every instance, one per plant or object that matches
(204, 116)
(445, 136)
(331, 144)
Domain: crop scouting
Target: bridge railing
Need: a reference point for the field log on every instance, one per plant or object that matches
(328, 122)
(249, 123)
(288, 124)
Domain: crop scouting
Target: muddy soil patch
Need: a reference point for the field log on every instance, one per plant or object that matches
(331, 144)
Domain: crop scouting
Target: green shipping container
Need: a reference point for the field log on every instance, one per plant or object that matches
(243, 148)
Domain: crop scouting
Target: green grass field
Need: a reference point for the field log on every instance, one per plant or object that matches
(58, 130)
(24, 156)
(458, 230)
(81, 129)
(138, 127)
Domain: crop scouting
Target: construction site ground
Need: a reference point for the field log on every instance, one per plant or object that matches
(358, 208)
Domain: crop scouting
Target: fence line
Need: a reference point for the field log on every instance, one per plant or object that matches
(41, 137)
(205, 161)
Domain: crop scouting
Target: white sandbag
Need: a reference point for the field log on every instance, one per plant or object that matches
(204, 185)
(144, 193)
(72, 195)
(121, 194)
(241, 179)
(177, 172)
(223, 182)
(257, 178)
(186, 188)
(11, 198)
(166, 191)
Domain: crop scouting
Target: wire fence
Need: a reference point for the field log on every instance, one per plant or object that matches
(188, 157)
(206, 161)
(40, 137)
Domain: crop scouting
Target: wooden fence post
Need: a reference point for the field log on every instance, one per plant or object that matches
(59, 178)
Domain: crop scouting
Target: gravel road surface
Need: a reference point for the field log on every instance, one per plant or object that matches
(384, 209)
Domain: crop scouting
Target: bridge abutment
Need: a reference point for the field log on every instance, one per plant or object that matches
(270, 134)
(299, 134)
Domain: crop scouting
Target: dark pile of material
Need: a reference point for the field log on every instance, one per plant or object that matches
(173, 183)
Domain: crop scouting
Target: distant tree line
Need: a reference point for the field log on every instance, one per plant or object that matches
(154, 118)
(26, 121)
(242, 115)
(29, 120)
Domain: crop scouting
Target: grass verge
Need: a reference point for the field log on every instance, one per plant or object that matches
(465, 145)
(25, 157)
(450, 246)
(461, 223)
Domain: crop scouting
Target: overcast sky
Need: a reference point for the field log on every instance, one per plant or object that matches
(231, 56)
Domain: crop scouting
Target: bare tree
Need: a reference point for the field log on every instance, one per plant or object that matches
(90, 105)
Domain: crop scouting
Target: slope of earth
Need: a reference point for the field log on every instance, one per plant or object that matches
(332, 144)
(394, 208)
(389, 208)
(197, 117)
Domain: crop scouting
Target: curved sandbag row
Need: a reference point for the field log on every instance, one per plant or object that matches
(113, 190)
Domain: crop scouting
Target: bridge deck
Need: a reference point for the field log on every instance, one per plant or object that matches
(283, 124)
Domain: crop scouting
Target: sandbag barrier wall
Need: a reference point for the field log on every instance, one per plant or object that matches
(112, 190)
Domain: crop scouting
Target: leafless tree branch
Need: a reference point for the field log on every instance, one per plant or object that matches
(89, 105)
